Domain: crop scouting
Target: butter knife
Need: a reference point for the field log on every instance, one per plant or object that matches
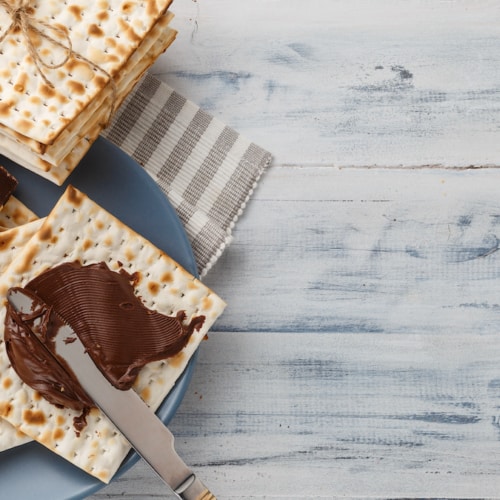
(132, 417)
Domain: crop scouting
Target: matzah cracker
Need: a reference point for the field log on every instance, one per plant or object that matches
(79, 127)
(11, 241)
(78, 229)
(58, 174)
(106, 32)
(15, 213)
(10, 437)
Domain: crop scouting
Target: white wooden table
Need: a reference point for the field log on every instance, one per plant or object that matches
(360, 352)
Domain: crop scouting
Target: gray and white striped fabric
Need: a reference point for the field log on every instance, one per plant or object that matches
(207, 170)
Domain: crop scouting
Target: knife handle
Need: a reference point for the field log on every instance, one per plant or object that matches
(196, 490)
(208, 496)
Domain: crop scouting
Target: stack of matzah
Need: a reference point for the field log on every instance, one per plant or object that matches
(49, 116)
(77, 229)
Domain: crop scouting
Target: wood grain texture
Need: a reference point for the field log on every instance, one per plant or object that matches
(359, 353)
(346, 82)
(376, 251)
(351, 415)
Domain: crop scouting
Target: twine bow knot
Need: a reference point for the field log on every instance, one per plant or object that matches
(22, 18)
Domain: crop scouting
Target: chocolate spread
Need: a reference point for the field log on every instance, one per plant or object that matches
(7, 185)
(118, 331)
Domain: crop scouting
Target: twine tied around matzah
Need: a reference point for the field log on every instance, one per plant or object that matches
(22, 18)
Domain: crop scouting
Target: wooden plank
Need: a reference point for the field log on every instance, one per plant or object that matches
(311, 415)
(341, 250)
(363, 82)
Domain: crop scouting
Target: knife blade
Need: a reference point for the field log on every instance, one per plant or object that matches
(147, 434)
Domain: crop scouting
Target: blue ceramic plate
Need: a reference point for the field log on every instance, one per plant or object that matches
(117, 183)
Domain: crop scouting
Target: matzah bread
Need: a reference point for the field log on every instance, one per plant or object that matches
(11, 242)
(56, 152)
(78, 229)
(106, 32)
(15, 213)
(89, 132)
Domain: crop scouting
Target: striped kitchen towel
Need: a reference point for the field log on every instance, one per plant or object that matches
(207, 170)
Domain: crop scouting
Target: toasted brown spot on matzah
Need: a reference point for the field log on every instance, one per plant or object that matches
(6, 239)
(34, 99)
(75, 197)
(27, 261)
(46, 54)
(6, 382)
(127, 31)
(20, 85)
(20, 435)
(103, 15)
(146, 393)
(61, 26)
(103, 476)
(176, 360)
(6, 108)
(113, 58)
(45, 233)
(76, 87)
(60, 420)
(206, 303)
(46, 91)
(137, 278)
(167, 277)
(151, 8)
(129, 254)
(94, 30)
(37, 396)
(24, 125)
(63, 100)
(80, 69)
(45, 166)
(153, 287)
(75, 10)
(100, 80)
(58, 434)
(46, 438)
(34, 417)
(94, 411)
(5, 409)
(87, 244)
